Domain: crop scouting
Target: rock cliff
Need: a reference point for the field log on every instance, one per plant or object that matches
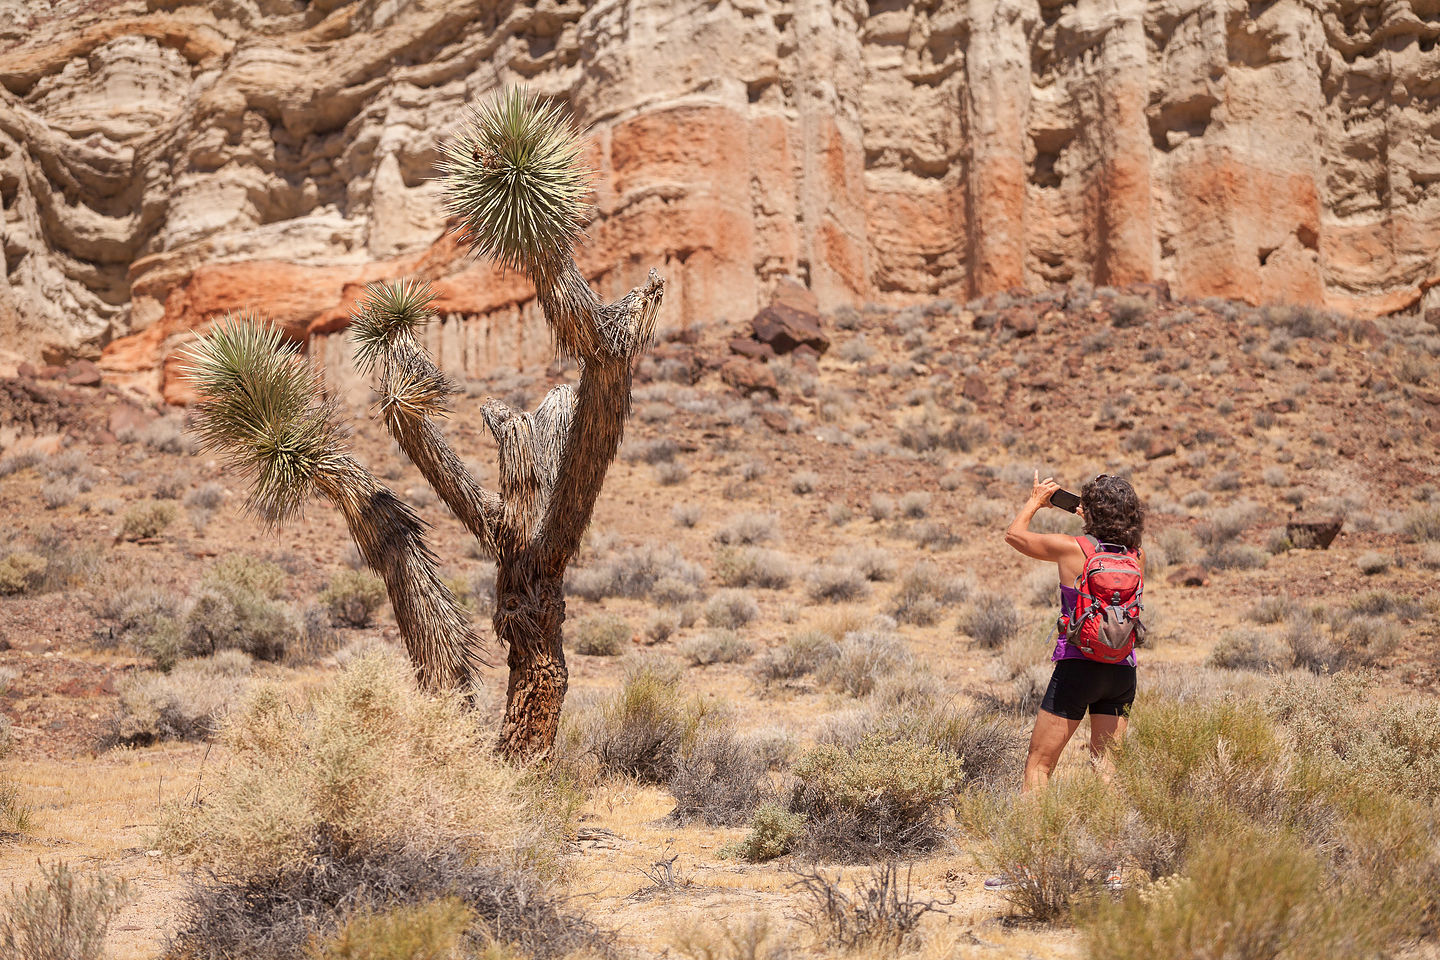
(162, 160)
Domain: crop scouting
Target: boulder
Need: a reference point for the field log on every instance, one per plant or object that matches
(82, 373)
(784, 328)
(750, 377)
(751, 349)
(1313, 532)
(1159, 447)
(1191, 575)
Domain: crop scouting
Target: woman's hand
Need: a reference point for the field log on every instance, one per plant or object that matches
(1043, 490)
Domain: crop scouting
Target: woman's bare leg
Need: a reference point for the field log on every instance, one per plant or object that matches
(1106, 730)
(1047, 742)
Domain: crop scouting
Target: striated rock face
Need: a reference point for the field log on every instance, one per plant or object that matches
(164, 161)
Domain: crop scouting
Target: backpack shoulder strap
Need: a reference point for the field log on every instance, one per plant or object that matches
(1088, 545)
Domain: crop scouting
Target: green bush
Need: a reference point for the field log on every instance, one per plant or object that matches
(352, 597)
(880, 798)
(62, 916)
(1251, 895)
(146, 521)
(605, 635)
(774, 832)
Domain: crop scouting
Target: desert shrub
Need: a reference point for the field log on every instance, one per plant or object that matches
(991, 619)
(1247, 895)
(836, 583)
(839, 514)
(352, 597)
(1058, 521)
(874, 563)
(719, 779)
(1422, 523)
(644, 571)
(990, 750)
(1430, 556)
(753, 567)
(1366, 639)
(21, 572)
(659, 450)
(1050, 844)
(716, 646)
(800, 655)
(925, 592)
(881, 507)
(208, 497)
(61, 491)
(639, 730)
(861, 658)
(748, 528)
(166, 435)
(915, 504)
(879, 799)
(62, 916)
(368, 796)
(661, 625)
(1384, 603)
(685, 515)
(16, 462)
(188, 703)
(1224, 524)
(1042, 589)
(235, 608)
(729, 609)
(15, 814)
(1271, 609)
(146, 521)
(1246, 649)
(1235, 556)
(431, 930)
(1372, 563)
(1177, 543)
(774, 832)
(671, 472)
(932, 535)
(879, 912)
(603, 635)
(1129, 311)
(804, 481)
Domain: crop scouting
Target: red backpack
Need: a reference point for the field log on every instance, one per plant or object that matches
(1106, 625)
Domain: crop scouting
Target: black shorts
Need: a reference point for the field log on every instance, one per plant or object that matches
(1078, 685)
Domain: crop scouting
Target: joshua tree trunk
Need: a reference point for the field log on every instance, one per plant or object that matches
(529, 613)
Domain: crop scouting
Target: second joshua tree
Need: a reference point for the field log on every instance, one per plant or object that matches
(517, 186)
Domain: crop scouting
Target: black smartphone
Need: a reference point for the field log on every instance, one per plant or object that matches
(1065, 500)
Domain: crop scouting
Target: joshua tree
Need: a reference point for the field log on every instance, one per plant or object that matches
(517, 186)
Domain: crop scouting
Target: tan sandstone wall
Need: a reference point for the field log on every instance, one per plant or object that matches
(164, 161)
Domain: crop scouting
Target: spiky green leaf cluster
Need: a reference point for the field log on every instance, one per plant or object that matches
(516, 178)
(386, 313)
(263, 406)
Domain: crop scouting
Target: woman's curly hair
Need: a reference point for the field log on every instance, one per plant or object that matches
(1113, 512)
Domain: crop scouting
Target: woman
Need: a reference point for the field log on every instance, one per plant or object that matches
(1113, 515)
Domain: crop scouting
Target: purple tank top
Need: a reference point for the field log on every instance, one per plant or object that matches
(1064, 649)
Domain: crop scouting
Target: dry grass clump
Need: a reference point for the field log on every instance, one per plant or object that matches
(21, 572)
(836, 583)
(991, 620)
(729, 609)
(146, 521)
(188, 703)
(879, 799)
(237, 607)
(748, 528)
(604, 635)
(716, 646)
(61, 916)
(370, 797)
(861, 658)
(431, 930)
(925, 593)
(874, 563)
(878, 913)
(352, 597)
(644, 571)
(1373, 562)
(1422, 523)
(800, 655)
(1051, 844)
(1246, 649)
(753, 567)
(719, 779)
(640, 729)
(16, 818)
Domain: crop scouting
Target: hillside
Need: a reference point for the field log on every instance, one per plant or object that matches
(865, 490)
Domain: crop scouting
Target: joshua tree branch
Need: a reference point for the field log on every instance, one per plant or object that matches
(602, 404)
(413, 393)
